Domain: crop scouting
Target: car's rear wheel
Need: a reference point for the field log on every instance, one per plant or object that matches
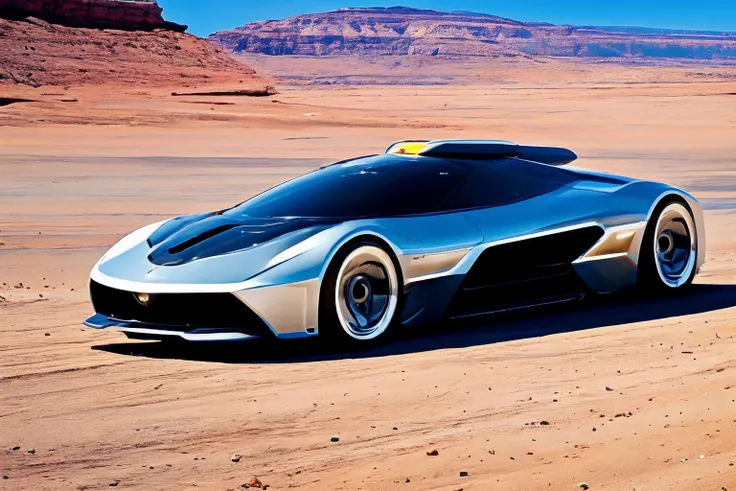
(360, 294)
(669, 251)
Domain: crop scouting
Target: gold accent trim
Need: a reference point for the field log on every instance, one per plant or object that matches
(416, 265)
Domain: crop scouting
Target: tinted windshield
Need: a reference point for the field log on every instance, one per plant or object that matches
(367, 187)
(389, 185)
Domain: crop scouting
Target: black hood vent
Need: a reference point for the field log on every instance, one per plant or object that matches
(200, 236)
(182, 246)
(174, 225)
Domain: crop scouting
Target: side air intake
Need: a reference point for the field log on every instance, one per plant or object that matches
(526, 273)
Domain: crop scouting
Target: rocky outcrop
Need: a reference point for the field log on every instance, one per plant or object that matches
(127, 15)
(34, 52)
(96, 42)
(406, 31)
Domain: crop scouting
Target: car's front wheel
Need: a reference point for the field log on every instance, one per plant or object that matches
(360, 294)
(669, 250)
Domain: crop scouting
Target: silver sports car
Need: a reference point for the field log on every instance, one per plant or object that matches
(427, 230)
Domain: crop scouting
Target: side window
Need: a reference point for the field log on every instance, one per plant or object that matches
(504, 182)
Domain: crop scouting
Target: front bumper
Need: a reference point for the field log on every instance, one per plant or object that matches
(190, 316)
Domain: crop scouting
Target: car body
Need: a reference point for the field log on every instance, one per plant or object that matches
(425, 231)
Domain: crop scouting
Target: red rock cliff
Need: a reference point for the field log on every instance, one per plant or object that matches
(408, 31)
(127, 15)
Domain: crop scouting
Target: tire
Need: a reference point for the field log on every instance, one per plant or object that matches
(360, 295)
(669, 250)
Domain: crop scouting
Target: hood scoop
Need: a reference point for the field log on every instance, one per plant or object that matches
(200, 238)
(173, 226)
(203, 236)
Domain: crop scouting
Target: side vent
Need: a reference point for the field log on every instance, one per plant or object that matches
(526, 273)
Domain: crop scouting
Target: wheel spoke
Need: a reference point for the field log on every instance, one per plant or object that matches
(360, 319)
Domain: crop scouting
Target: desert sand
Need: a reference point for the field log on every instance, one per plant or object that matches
(638, 393)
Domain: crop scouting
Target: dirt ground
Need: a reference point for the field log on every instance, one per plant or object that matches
(638, 393)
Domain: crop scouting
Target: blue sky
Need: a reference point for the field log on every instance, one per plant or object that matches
(719, 15)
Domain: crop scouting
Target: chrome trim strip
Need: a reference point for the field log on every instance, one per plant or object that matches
(189, 336)
(102, 322)
(602, 257)
(139, 286)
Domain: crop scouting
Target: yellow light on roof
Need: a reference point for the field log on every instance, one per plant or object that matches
(407, 148)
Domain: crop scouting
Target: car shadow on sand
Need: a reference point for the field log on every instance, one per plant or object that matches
(594, 313)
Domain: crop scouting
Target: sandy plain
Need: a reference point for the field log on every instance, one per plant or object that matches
(101, 411)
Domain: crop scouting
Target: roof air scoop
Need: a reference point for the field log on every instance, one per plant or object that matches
(483, 150)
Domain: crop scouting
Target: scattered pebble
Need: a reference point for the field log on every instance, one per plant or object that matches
(114, 483)
(31, 450)
(583, 485)
(433, 453)
(544, 422)
(254, 483)
(335, 439)
(236, 457)
(609, 389)
(464, 474)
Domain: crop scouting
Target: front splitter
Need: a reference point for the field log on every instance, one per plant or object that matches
(99, 321)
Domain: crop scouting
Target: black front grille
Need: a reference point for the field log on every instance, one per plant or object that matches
(529, 272)
(179, 311)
